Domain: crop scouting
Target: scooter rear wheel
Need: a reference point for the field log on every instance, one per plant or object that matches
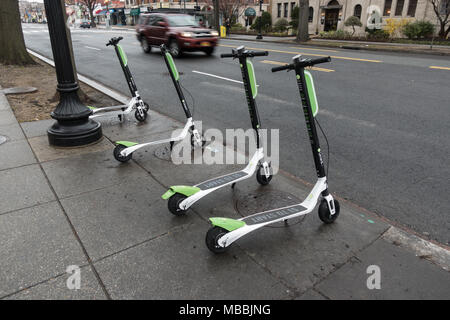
(118, 156)
(261, 177)
(324, 212)
(174, 204)
(212, 237)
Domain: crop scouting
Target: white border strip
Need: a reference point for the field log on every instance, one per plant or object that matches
(218, 77)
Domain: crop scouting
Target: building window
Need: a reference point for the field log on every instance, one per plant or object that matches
(292, 7)
(412, 8)
(286, 8)
(357, 11)
(399, 7)
(311, 14)
(278, 10)
(387, 7)
(445, 7)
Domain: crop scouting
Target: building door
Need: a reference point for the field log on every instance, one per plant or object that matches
(332, 15)
(331, 19)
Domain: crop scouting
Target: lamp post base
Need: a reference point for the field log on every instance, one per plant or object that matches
(74, 133)
(259, 36)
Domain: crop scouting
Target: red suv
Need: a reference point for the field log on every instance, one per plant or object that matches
(180, 32)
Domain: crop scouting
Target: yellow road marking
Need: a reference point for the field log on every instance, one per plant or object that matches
(307, 54)
(442, 68)
(313, 49)
(283, 63)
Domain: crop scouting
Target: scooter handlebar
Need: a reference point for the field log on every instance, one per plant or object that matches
(258, 53)
(114, 41)
(245, 53)
(319, 60)
(302, 64)
(281, 68)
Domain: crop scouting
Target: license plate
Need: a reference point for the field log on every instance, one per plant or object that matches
(205, 44)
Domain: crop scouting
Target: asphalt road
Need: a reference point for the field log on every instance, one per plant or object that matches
(386, 115)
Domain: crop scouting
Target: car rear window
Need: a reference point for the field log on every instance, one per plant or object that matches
(143, 19)
(182, 21)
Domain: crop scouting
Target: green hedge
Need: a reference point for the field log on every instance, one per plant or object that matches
(418, 30)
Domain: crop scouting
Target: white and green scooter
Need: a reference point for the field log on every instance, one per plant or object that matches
(136, 103)
(225, 231)
(123, 151)
(182, 198)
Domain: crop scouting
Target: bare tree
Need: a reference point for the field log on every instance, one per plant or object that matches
(230, 8)
(303, 32)
(442, 10)
(89, 4)
(12, 44)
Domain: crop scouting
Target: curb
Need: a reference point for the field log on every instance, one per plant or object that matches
(345, 46)
(396, 234)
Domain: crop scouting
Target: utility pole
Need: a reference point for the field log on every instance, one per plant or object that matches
(216, 15)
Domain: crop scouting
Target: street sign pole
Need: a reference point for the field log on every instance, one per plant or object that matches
(259, 36)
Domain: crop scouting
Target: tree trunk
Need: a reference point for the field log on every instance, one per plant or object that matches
(442, 32)
(91, 12)
(12, 44)
(303, 13)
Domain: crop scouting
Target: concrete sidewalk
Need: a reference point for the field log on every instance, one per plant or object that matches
(79, 206)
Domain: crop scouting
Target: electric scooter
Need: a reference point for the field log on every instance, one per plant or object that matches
(182, 198)
(123, 151)
(136, 103)
(225, 231)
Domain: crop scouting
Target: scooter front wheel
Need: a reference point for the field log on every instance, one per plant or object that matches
(261, 177)
(193, 140)
(325, 214)
(117, 150)
(212, 237)
(174, 204)
(139, 117)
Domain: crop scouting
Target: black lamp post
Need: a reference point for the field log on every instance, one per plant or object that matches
(259, 36)
(73, 126)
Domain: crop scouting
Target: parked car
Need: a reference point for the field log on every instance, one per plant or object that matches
(180, 32)
(85, 24)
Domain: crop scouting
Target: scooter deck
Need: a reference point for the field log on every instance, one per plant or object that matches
(273, 215)
(220, 181)
(121, 107)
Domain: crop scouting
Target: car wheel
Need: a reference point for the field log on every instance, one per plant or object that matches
(145, 46)
(174, 48)
(209, 51)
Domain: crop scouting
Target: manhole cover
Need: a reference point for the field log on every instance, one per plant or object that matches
(19, 90)
(248, 203)
(163, 153)
(2, 139)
